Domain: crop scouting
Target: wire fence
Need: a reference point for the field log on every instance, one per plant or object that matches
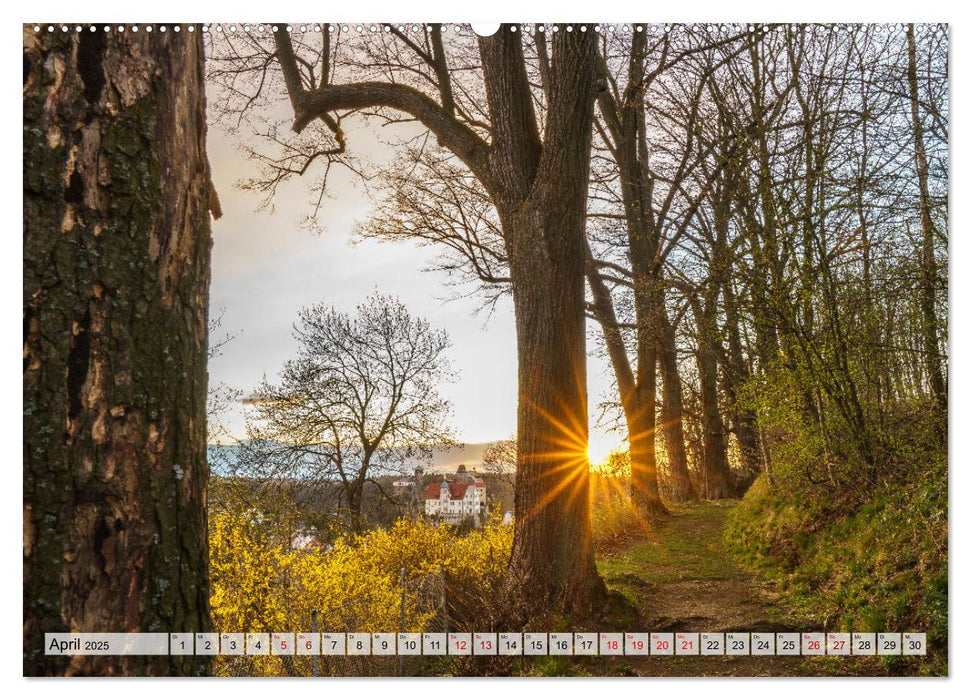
(427, 603)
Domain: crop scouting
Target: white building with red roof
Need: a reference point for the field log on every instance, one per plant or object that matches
(453, 502)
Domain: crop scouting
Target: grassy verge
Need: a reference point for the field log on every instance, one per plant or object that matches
(879, 566)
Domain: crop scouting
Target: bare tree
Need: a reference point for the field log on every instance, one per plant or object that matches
(434, 200)
(499, 460)
(529, 149)
(802, 265)
(361, 399)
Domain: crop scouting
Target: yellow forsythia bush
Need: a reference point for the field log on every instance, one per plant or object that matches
(259, 583)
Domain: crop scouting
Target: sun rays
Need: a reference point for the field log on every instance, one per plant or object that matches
(574, 473)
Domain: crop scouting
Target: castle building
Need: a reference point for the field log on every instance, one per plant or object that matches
(454, 502)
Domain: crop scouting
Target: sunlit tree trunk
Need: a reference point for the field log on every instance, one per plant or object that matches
(116, 284)
(637, 390)
(672, 415)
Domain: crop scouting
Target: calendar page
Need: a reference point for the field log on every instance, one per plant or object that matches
(422, 349)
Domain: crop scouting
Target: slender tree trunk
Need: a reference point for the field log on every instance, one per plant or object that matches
(717, 472)
(935, 370)
(354, 499)
(874, 359)
(767, 284)
(680, 488)
(637, 397)
(644, 488)
(760, 298)
(736, 374)
(625, 119)
(116, 283)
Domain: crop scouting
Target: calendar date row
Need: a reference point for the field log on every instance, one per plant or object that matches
(492, 643)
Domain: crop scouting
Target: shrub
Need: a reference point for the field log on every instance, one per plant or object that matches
(259, 583)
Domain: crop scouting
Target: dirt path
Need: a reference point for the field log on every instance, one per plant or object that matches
(682, 580)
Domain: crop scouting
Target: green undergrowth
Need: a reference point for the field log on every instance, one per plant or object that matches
(686, 545)
(876, 565)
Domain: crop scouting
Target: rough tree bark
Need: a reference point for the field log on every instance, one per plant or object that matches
(116, 283)
(540, 192)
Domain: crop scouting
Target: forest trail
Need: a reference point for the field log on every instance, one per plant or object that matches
(683, 580)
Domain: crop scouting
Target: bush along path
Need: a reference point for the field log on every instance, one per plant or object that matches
(681, 579)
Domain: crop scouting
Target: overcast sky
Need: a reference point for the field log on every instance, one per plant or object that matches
(265, 267)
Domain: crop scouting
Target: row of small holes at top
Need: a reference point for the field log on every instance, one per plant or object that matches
(457, 29)
(373, 28)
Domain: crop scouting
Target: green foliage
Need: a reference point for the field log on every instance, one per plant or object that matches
(880, 566)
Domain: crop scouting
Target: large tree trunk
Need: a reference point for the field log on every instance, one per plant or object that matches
(542, 204)
(672, 416)
(116, 283)
(928, 273)
(552, 556)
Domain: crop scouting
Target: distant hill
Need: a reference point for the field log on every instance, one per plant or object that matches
(445, 458)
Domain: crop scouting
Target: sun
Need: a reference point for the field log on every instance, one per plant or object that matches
(597, 453)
